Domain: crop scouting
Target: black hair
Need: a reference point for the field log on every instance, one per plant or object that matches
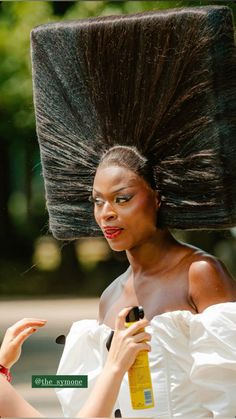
(160, 81)
(130, 158)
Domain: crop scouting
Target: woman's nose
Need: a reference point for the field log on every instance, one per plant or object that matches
(108, 212)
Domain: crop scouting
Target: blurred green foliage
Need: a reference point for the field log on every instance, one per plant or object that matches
(23, 217)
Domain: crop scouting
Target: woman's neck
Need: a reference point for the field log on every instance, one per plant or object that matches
(151, 256)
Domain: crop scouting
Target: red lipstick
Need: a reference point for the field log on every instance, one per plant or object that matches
(112, 232)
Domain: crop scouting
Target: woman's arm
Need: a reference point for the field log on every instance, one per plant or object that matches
(11, 403)
(126, 344)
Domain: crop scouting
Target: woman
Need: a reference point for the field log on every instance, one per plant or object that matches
(127, 342)
(139, 110)
(164, 274)
(175, 283)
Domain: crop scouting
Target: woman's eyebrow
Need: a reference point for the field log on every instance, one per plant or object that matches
(115, 191)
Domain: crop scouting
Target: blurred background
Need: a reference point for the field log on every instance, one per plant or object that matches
(40, 276)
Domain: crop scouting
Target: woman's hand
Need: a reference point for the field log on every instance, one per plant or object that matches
(14, 338)
(127, 342)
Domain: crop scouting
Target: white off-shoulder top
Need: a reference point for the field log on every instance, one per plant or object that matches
(192, 361)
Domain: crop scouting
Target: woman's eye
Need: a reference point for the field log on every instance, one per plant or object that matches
(118, 200)
(96, 201)
(122, 199)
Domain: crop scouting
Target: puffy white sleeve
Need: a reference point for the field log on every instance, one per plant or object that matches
(213, 348)
(83, 354)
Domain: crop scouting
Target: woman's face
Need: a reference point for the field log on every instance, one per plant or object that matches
(125, 207)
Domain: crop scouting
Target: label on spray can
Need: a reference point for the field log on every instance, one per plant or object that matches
(140, 382)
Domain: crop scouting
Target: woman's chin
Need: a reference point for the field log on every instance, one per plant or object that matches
(116, 247)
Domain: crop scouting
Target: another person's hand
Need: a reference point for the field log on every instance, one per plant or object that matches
(14, 338)
(127, 342)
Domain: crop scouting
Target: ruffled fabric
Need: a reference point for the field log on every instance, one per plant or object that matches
(193, 364)
(213, 348)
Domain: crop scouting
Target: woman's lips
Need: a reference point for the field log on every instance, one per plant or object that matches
(112, 232)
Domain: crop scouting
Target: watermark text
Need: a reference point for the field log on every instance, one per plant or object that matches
(65, 381)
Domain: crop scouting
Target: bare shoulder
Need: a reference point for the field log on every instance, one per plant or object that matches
(110, 294)
(210, 282)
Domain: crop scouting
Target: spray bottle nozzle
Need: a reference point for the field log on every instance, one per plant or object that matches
(135, 314)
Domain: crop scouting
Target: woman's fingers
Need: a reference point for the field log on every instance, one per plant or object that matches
(142, 346)
(14, 338)
(120, 320)
(23, 324)
(22, 336)
(143, 336)
(19, 331)
(137, 326)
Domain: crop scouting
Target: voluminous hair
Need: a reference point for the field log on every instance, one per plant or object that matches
(129, 158)
(160, 81)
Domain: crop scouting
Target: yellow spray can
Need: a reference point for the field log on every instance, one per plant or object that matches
(140, 382)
